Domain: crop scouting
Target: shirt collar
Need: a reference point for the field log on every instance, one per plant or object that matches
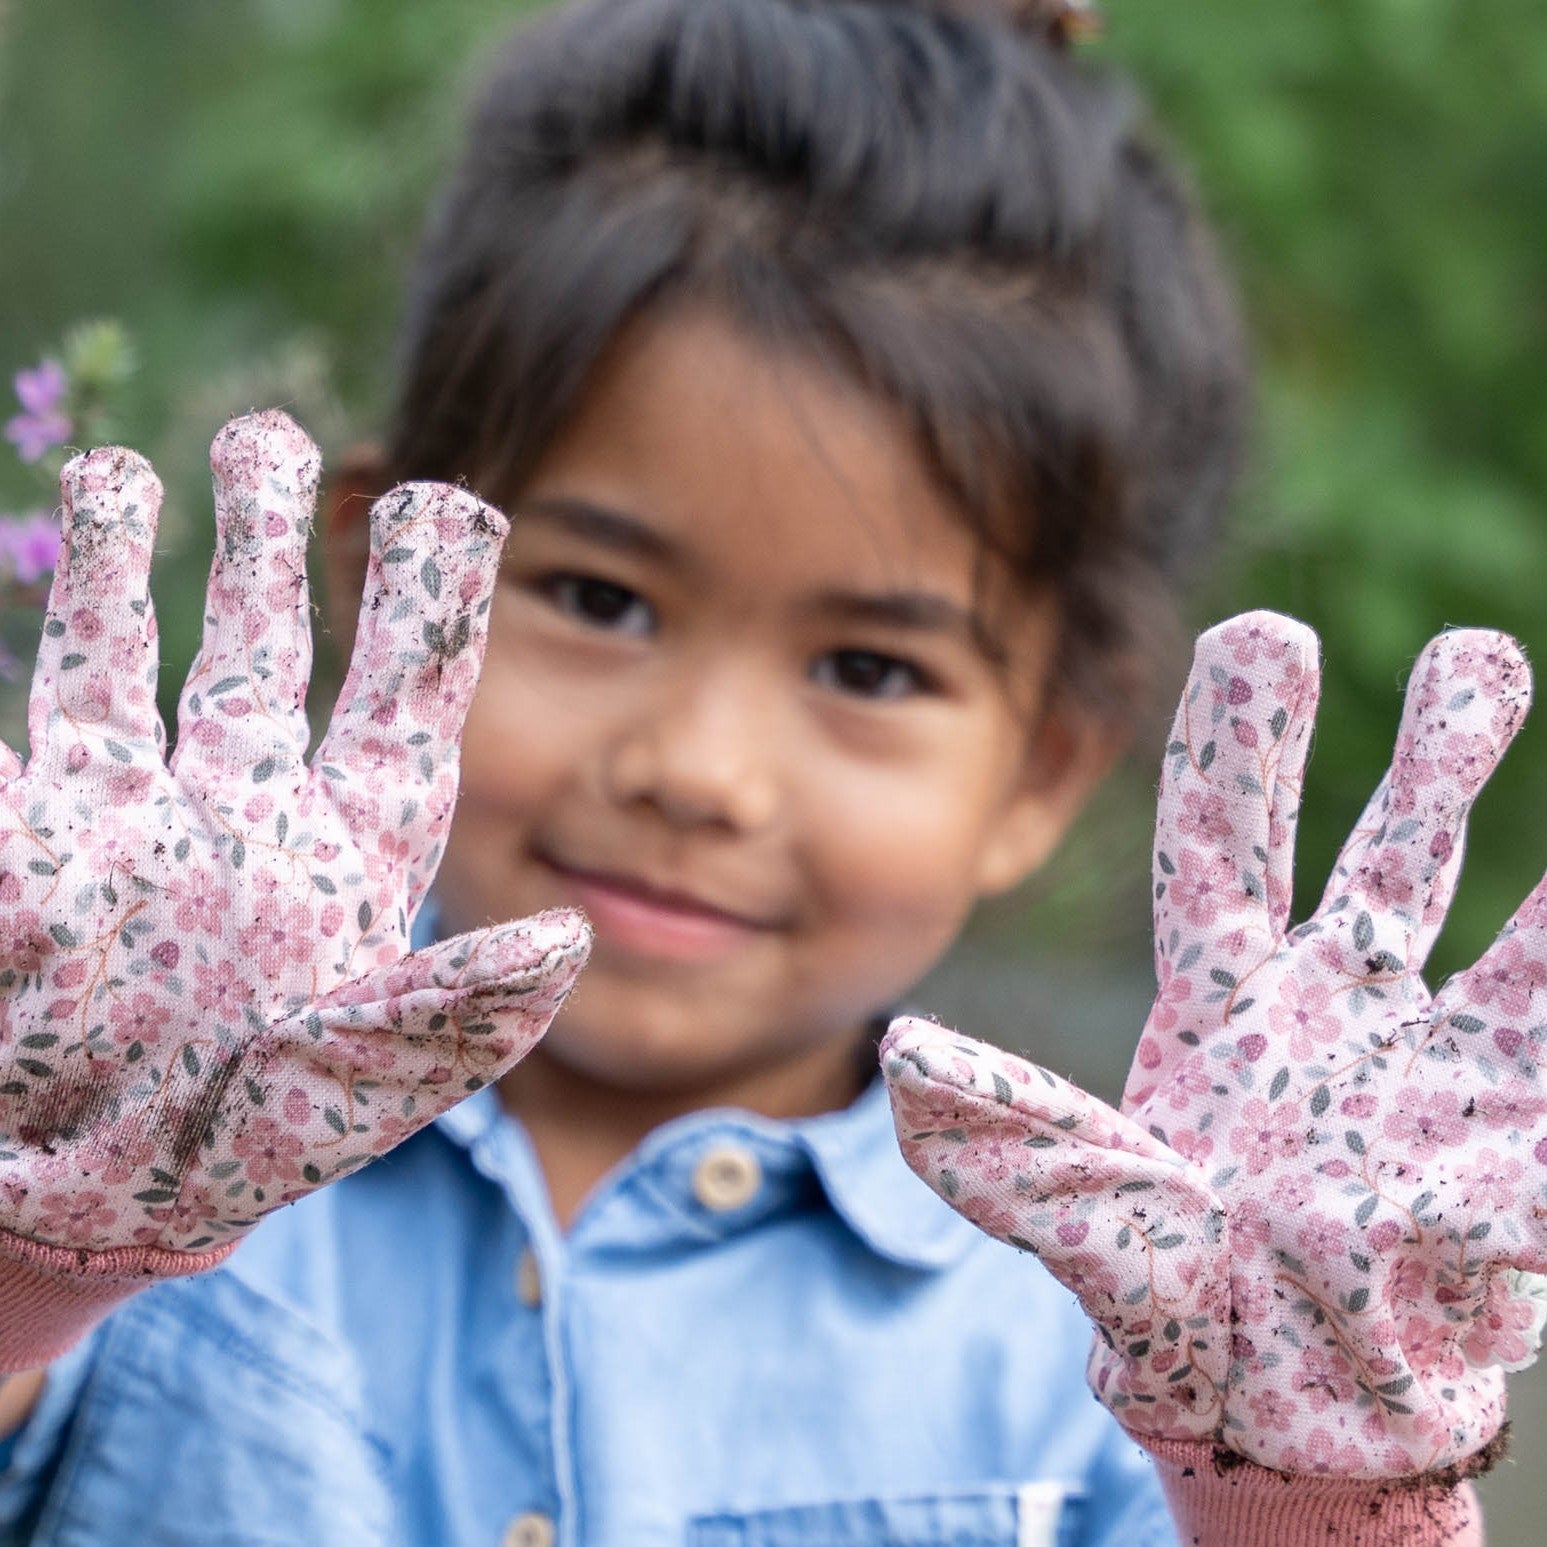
(853, 1153)
(871, 1188)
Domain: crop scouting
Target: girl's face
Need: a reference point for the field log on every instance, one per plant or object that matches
(734, 706)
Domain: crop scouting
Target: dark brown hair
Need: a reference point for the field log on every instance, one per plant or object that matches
(942, 203)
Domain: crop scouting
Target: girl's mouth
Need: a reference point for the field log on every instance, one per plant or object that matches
(634, 916)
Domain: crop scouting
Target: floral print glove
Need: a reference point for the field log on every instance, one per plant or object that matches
(1300, 1238)
(207, 1003)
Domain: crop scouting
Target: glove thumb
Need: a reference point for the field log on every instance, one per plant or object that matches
(1118, 1217)
(380, 1056)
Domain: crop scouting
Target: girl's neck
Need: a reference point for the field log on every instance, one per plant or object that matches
(581, 1128)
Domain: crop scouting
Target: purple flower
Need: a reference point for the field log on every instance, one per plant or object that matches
(41, 427)
(29, 547)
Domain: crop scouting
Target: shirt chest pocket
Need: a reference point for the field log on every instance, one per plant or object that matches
(1042, 1514)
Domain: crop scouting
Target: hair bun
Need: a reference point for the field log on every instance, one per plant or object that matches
(1062, 21)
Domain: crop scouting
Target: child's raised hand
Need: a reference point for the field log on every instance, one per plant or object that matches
(1298, 1238)
(206, 1005)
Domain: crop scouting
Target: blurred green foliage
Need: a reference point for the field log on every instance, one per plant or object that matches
(241, 185)
(1379, 171)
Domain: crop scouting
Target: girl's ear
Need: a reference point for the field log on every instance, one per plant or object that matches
(348, 494)
(1072, 751)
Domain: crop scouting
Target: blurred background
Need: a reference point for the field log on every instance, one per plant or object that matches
(239, 187)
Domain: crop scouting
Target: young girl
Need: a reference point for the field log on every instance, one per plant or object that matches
(860, 386)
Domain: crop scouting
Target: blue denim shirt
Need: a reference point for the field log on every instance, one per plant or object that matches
(755, 1334)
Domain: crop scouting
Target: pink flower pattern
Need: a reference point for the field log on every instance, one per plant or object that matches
(1506, 1328)
(1424, 1122)
(1202, 886)
(1303, 1017)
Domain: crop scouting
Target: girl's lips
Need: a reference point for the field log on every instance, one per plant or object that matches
(631, 916)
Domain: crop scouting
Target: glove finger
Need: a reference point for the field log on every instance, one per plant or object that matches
(93, 695)
(1117, 1217)
(424, 622)
(243, 707)
(1494, 1014)
(1230, 783)
(1224, 834)
(370, 1063)
(1394, 881)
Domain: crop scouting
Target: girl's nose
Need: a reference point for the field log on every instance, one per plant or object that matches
(703, 754)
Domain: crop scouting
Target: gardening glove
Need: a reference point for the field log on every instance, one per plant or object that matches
(208, 1007)
(1301, 1238)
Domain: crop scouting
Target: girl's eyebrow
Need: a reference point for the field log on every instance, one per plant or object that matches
(923, 611)
(599, 524)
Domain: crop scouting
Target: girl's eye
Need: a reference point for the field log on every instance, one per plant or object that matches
(869, 674)
(599, 604)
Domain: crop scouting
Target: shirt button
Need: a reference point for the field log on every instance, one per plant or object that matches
(529, 1282)
(726, 1178)
(530, 1530)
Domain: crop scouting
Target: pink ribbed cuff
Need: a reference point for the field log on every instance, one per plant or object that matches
(1235, 1503)
(50, 1298)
